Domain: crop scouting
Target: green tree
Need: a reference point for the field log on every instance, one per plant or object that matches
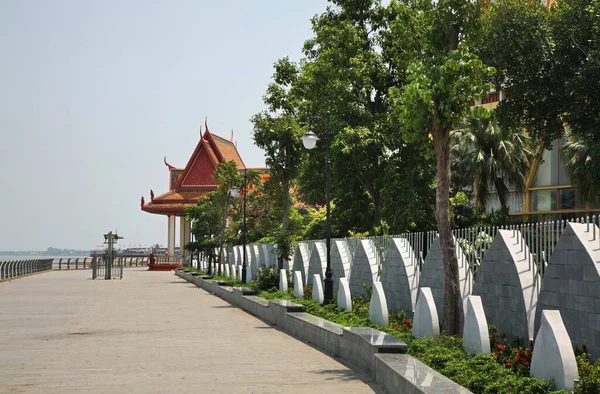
(227, 175)
(205, 220)
(343, 72)
(575, 28)
(279, 136)
(580, 166)
(444, 77)
(516, 39)
(491, 156)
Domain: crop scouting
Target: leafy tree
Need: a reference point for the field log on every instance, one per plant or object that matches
(490, 155)
(279, 135)
(580, 166)
(343, 72)
(205, 220)
(575, 28)
(444, 76)
(227, 175)
(516, 39)
(549, 64)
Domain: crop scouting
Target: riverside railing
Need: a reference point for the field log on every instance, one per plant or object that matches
(86, 263)
(18, 268)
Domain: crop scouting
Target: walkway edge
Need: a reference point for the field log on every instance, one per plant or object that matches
(378, 354)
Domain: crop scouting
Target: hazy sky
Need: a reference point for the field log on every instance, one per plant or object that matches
(93, 94)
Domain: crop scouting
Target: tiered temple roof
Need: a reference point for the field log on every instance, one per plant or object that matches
(195, 180)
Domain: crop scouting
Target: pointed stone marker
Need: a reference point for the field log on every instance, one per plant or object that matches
(344, 299)
(298, 287)
(378, 310)
(283, 282)
(317, 291)
(476, 337)
(426, 322)
(553, 358)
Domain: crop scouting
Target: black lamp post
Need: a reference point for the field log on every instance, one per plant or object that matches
(309, 139)
(234, 193)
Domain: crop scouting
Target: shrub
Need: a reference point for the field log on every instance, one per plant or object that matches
(589, 375)
(308, 292)
(267, 278)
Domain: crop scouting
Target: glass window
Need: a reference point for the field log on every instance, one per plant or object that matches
(543, 200)
(514, 202)
(569, 199)
(595, 201)
(563, 176)
(546, 174)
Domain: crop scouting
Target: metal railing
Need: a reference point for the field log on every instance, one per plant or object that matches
(167, 259)
(18, 268)
(539, 238)
(75, 263)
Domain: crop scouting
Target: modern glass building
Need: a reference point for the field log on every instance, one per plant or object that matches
(549, 193)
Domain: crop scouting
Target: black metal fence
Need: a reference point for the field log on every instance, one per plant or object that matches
(17, 268)
(107, 268)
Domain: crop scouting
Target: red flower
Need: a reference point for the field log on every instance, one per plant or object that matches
(508, 365)
(495, 356)
(526, 363)
(417, 355)
(310, 290)
(500, 347)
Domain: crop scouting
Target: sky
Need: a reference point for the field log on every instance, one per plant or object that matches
(93, 95)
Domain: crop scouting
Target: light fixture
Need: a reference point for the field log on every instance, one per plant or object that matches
(309, 139)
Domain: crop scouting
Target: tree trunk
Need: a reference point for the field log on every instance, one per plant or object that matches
(222, 237)
(451, 313)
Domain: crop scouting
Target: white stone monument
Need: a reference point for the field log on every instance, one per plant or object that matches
(344, 299)
(476, 337)
(283, 282)
(298, 287)
(249, 274)
(378, 310)
(553, 357)
(317, 290)
(426, 322)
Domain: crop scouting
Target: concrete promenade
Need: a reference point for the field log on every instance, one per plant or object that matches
(151, 332)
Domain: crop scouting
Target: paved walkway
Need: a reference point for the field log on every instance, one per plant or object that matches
(151, 332)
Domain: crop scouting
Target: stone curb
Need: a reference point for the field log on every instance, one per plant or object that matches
(378, 354)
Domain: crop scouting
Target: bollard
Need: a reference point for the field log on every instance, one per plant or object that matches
(60, 264)
(69, 263)
(77, 263)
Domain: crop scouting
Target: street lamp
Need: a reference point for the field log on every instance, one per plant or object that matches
(234, 193)
(309, 140)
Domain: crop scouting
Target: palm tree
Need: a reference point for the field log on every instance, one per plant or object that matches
(578, 161)
(491, 156)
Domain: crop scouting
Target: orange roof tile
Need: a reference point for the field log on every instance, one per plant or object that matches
(228, 150)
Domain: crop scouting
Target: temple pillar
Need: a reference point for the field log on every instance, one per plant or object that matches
(182, 240)
(171, 240)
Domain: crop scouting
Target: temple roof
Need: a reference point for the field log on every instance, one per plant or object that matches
(196, 179)
(172, 201)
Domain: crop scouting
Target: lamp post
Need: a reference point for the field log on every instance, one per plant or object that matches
(309, 139)
(234, 193)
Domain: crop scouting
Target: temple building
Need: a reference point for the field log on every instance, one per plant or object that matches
(187, 185)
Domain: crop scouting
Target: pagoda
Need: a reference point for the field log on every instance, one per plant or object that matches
(187, 185)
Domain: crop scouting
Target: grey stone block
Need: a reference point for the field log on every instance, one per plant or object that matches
(508, 291)
(401, 373)
(577, 294)
(400, 277)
